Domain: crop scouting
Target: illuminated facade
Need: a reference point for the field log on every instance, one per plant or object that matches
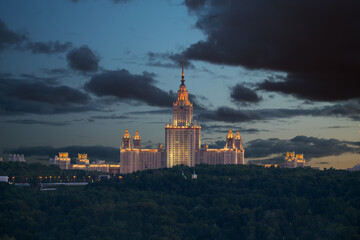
(63, 160)
(134, 158)
(82, 159)
(82, 163)
(293, 161)
(232, 153)
(182, 143)
(182, 135)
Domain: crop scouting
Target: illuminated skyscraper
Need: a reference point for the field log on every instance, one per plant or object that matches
(182, 135)
(182, 143)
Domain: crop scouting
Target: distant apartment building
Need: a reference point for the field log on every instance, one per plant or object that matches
(293, 160)
(16, 158)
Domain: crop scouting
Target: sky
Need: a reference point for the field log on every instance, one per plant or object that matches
(74, 74)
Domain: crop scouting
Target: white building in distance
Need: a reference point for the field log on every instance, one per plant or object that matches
(16, 158)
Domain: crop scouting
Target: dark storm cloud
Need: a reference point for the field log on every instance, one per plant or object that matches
(36, 122)
(227, 114)
(129, 87)
(126, 86)
(315, 42)
(18, 41)
(20, 96)
(244, 95)
(48, 47)
(311, 147)
(194, 4)
(172, 60)
(83, 59)
(314, 87)
(9, 38)
(94, 152)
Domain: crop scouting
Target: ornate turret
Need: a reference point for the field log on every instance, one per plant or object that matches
(137, 141)
(126, 143)
(238, 141)
(230, 140)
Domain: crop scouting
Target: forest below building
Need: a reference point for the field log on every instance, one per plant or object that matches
(224, 202)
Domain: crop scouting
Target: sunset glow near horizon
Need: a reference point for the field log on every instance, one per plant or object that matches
(78, 73)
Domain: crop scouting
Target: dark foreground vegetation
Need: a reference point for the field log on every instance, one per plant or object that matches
(225, 202)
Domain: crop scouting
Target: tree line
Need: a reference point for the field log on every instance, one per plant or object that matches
(224, 202)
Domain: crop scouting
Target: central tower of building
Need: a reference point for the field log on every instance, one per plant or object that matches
(182, 135)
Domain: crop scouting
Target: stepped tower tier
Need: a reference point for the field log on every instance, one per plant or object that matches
(182, 108)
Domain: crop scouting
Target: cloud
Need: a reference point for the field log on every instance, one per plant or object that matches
(160, 111)
(336, 127)
(314, 42)
(168, 60)
(218, 144)
(349, 110)
(33, 77)
(224, 129)
(56, 71)
(126, 86)
(111, 117)
(9, 38)
(12, 40)
(94, 152)
(226, 114)
(244, 95)
(311, 147)
(83, 59)
(134, 87)
(48, 47)
(114, 1)
(36, 122)
(21, 96)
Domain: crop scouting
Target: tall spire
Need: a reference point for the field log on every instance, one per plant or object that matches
(182, 75)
